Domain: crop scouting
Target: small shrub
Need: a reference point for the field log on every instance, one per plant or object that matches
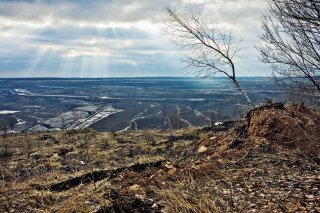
(64, 150)
(5, 152)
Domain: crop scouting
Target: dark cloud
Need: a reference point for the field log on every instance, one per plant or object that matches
(125, 36)
(97, 10)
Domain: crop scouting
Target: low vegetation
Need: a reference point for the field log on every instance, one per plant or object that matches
(267, 162)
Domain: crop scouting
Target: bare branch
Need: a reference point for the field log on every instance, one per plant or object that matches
(292, 43)
(206, 51)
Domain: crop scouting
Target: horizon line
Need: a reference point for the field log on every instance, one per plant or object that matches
(37, 77)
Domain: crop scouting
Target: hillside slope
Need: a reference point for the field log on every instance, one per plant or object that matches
(269, 162)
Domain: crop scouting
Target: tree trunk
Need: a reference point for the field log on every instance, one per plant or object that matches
(244, 93)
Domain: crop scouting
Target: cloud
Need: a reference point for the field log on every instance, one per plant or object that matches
(110, 37)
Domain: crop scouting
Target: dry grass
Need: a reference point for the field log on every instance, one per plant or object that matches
(191, 195)
(37, 159)
(256, 175)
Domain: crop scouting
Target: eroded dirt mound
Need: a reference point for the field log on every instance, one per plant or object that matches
(295, 126)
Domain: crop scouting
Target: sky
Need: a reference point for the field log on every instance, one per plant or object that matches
(114, 38)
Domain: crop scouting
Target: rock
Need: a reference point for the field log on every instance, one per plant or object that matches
(196, 167)
(226, 192)
(154, 206)
(168, 165)
(137, 190)
(202, 149)
(213, 138)
(89, 203)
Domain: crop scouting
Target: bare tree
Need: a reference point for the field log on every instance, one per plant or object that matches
(87, 139)
(207, 51)
(11, 125)
(4, 127)
(292, 43)
(212, 117)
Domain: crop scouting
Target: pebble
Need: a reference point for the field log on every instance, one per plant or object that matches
(202, 149)
(154, 206)
(89, 203)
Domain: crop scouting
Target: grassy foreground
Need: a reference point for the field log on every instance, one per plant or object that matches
(268, 162)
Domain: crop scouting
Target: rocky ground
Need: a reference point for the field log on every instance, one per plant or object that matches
(269, 162)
